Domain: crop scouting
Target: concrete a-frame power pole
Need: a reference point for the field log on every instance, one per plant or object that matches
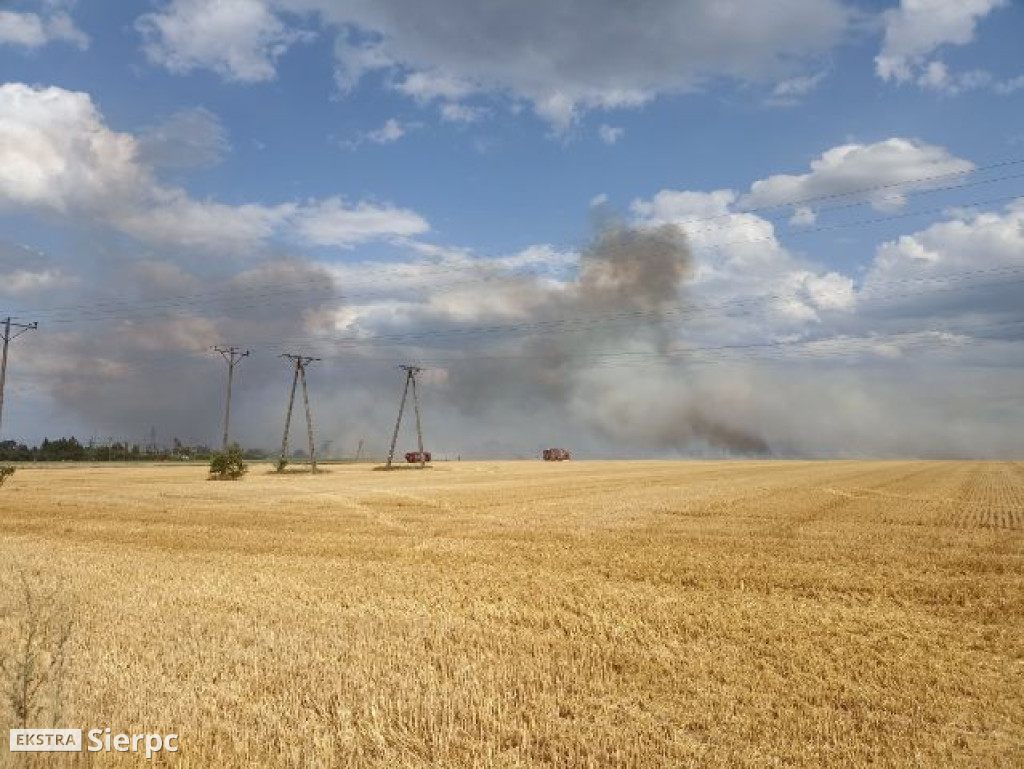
(301, 362)
(11, 331)
(410, 381)
(232, 355)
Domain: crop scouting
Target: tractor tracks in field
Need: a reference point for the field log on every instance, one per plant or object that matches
(971, 500)
(329, 501)
(866, 493)
(838, 500)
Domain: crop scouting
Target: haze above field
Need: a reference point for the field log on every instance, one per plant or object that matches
(678, 229)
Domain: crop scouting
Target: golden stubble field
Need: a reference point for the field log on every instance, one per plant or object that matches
(585, 614)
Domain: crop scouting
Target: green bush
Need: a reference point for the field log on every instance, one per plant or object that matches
(6, 471)
(228, 465)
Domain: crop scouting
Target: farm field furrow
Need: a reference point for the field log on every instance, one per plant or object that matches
(578, 614)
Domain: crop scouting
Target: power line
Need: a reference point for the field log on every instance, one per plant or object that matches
(116, 304)
(872, 201)
(305, 300)
(585, 323)
(674, 310)
(715, 247)
(818, 346)
(800, 202)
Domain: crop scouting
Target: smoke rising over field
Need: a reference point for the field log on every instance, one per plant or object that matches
(628, 296)
(601, 353)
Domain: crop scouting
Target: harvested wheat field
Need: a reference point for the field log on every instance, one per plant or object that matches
(585, 614)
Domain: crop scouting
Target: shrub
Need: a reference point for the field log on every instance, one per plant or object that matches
(228, 465)
(34, 667)
(6, 471)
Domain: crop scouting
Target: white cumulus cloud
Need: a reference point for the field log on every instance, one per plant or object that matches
(34, 30)
(240, 40)
(560, 56)
(333, 222)
(739, 254)
(897, 165)
(56, 153)
(966, 241)
(58, 156)
(918, 28)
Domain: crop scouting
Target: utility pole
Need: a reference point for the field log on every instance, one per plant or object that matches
(301, 362)
(288, 421)
(19, 329)
(232, 355)
(419, 428)
(410, 379)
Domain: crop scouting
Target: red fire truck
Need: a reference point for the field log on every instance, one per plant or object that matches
(556, 455)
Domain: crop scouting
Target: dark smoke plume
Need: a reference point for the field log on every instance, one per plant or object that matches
(626, 297)
(556, 378)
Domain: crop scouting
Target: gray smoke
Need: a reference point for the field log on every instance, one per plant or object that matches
(592, 363)
(119, 371)
(628, 296)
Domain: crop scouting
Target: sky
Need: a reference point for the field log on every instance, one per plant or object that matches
(664, 228)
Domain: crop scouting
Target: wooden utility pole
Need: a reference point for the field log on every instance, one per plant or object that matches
(19, 329)
(300, 361)
(232, 355)
(410, 379)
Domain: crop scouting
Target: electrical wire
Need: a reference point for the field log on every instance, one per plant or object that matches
(297, 286)
(306, 301)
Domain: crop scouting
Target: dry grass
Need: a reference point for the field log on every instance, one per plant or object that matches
(527, 614)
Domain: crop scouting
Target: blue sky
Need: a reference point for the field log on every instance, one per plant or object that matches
(178, 148)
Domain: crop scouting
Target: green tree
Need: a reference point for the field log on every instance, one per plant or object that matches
(228, 465)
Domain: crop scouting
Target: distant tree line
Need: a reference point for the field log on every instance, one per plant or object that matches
(73, 450)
